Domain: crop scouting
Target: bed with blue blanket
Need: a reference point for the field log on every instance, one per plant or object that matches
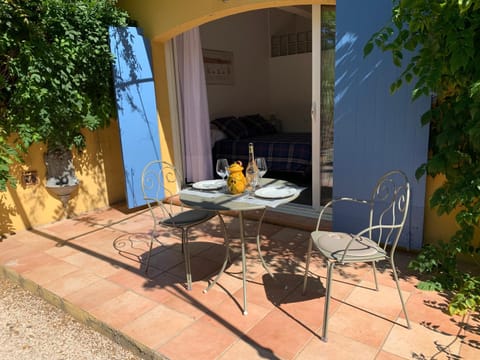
(284, 152)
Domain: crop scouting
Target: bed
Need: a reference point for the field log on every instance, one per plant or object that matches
(284, 152)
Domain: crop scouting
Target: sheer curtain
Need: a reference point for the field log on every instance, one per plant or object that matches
(193, 106)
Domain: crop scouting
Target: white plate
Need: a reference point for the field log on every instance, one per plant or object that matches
(271, 192)
(209, 184)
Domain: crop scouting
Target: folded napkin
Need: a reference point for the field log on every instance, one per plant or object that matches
(273, 203)
(201, 193)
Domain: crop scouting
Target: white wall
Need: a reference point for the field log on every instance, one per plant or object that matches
(279, 86)
(246, 35)
(291, 91)
(282, 22)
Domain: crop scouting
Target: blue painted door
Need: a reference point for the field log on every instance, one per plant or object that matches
(136, 106)
(374, 131)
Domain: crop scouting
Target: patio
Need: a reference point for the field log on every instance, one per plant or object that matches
(91, 267)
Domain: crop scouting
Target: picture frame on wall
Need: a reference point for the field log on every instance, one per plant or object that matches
(218, 67)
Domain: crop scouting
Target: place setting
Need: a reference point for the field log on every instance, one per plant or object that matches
(211, 187)
(262, 191)
(271, 195)
(275, 192)
(268, 192)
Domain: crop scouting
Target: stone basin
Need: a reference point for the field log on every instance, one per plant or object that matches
(63, 192)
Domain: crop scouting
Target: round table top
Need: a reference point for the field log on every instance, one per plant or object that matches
(220, 200)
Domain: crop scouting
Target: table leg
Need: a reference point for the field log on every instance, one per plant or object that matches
(265, 266)
(227, 257)
(227, 254)
(244, 262)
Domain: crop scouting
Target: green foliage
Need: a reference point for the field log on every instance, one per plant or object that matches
(442, 40)
(8, 155)
(55, 72)
(468, 296)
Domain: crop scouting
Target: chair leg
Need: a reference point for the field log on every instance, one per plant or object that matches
(226, 238)
(328, 288)
(375, 275)
(307, 265)
(395, 276)
(148, 256)
(186, 254)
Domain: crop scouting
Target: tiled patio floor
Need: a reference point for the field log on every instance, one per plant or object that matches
(91, 267)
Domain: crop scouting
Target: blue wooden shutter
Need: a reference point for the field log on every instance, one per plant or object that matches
(375, 131)
(137, 110)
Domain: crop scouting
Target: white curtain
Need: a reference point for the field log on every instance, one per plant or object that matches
(193, 106)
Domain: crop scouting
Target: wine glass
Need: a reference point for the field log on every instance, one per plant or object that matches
(262, 167)
(222, 168)
(252, 181)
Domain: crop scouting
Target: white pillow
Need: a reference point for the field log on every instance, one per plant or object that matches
(216, 134)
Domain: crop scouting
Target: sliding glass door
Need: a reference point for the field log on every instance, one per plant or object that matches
(323, 81)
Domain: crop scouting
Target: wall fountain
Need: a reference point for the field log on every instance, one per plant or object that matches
(61, 179)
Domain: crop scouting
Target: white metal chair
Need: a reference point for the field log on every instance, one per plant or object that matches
(160, 181)
(388, 209)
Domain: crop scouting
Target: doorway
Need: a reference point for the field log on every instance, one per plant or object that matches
(298, 98)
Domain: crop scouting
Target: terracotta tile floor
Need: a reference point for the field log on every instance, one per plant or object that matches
(91, 266)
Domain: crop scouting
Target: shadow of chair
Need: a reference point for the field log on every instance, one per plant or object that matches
(160, 184)
(387, 213)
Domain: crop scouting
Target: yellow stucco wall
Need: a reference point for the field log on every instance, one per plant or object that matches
(99, 170)
(440, 227)
(436, 227)
(161, 94)
(163, 19)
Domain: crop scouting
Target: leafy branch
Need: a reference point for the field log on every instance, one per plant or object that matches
(55, 73)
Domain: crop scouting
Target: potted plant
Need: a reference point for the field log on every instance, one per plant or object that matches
(55, 80)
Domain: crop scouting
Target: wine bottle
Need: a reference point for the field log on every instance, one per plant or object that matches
(251, 173)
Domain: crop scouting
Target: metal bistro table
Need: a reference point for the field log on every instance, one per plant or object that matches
(221, 201)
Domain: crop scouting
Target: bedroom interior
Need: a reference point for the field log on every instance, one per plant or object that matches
(258, 68)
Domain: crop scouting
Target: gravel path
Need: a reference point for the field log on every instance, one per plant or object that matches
(31, 328)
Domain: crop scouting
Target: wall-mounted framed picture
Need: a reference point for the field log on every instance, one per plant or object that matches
(218, 67)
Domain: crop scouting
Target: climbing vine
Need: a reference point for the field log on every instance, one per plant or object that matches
(55, 73)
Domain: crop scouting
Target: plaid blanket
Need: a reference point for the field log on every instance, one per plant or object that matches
(285, 152)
